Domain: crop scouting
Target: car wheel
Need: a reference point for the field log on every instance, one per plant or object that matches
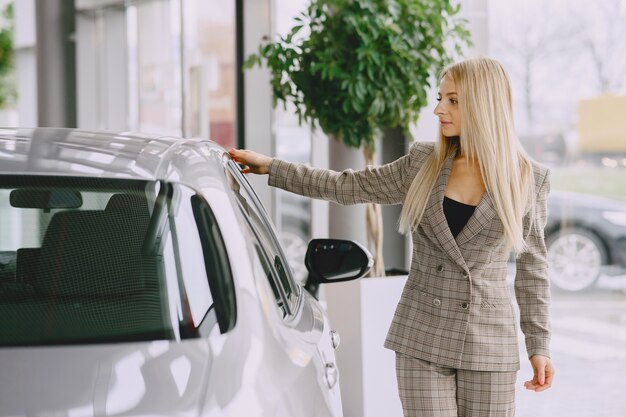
(575, 258)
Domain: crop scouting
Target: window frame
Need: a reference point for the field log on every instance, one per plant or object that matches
(281, 272)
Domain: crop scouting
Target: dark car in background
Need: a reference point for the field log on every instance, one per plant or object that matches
(586, 238)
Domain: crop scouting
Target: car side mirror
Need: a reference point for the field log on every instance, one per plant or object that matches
(334, 260)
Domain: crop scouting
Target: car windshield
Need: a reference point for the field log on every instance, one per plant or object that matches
(86, 260)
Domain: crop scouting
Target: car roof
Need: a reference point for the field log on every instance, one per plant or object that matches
(83, 153)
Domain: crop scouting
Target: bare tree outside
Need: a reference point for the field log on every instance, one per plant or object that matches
(529, 37)
(603, 42)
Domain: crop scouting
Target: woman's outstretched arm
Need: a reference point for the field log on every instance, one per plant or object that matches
(385, 184)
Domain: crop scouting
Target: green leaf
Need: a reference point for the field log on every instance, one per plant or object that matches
(251, 61)
(365, 64)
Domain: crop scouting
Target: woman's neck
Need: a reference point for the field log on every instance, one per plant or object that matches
(460, 155)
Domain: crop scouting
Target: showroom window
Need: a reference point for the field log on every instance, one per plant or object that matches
(293, 143)
(154, 66)
(567, 61)
(209, 69)
(182, 71)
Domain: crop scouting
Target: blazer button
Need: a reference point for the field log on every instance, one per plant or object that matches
(437, 302)
(464, 306)
(439, 268)
(465, 274)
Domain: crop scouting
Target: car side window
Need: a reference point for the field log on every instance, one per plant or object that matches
(217, 264)
(200, 261)
(281, 279)
(271, 275)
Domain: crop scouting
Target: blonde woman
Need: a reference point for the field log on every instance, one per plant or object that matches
(468, 200)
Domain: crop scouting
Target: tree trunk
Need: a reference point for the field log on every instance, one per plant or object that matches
(374, 226)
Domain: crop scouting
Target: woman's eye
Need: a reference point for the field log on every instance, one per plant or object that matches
(453, 101)
(438, 99)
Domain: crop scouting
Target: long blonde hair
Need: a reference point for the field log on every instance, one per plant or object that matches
(487, 135)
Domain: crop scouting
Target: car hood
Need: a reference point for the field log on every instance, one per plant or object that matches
(150, 379)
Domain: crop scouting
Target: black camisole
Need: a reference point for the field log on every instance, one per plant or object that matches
(457, 214)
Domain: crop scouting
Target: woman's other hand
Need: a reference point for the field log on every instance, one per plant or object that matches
(543, 374)
(254, 163)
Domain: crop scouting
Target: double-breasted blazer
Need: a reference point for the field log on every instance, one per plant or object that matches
(456, 309)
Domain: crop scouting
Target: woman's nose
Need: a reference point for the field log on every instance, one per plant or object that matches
(438, 109)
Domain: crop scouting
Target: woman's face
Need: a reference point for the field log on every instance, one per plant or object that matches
(448, 108)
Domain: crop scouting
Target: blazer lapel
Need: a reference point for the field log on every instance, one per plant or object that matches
(483, 214)
(433, 215)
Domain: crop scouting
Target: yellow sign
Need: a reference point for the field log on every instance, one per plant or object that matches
(602, 124)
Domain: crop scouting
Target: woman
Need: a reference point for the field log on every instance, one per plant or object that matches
(468, 201)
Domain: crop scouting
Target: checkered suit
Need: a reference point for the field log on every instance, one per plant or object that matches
(426, 389)
(455, 310)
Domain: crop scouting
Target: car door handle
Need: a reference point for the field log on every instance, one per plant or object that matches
(335, 338)
(331, 375)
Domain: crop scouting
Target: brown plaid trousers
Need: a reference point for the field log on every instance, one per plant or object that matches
(455, 310)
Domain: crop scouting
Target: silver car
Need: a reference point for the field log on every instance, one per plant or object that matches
(140, 275)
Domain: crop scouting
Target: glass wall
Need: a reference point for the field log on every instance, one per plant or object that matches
(293, 143)
(8, 89)
(182, 68)
(155, 85)
(567, 61)
(209, 38)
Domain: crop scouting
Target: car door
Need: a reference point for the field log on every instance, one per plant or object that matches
(302, 316)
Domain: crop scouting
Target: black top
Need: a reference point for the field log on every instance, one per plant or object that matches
(457, 214)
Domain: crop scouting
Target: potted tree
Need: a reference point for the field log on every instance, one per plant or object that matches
(355, 67)
(8, 93)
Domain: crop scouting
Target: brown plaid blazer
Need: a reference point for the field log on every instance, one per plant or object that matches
(455, 309)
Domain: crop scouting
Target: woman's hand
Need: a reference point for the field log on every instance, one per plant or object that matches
(255, 163)
(543, 374)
